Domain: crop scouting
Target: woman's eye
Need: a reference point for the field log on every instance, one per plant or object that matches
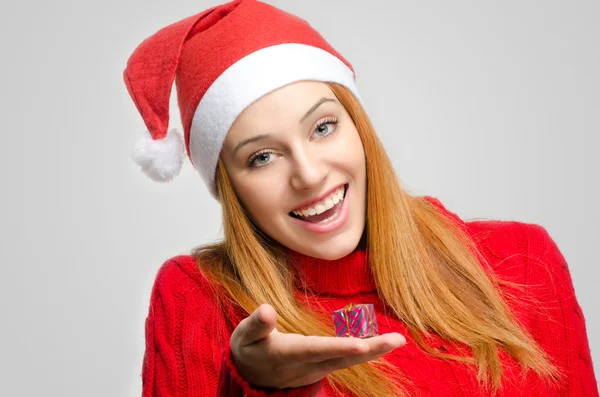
(326, 127)
(261, 159)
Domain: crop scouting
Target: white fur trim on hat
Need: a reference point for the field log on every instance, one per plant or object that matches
(246, 81)
(160, 159)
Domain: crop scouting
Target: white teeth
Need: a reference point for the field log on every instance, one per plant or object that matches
(328, 204)
(323, 206)
(337, 198)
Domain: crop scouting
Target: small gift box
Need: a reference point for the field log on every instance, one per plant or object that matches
(355, 321)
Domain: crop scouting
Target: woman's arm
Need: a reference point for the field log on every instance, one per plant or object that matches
(178, 358)
(187, 341)
(563, 332)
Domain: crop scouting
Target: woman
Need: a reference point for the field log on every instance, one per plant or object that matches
(314, 219)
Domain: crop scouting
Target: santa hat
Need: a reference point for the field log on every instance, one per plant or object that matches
(221, 60)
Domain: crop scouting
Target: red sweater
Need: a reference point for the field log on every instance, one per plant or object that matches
(187, 350)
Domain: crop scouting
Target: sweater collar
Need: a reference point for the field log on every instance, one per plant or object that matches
(348, 275)
(345, 276)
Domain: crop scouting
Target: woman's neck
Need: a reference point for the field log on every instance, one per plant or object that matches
(345, 276)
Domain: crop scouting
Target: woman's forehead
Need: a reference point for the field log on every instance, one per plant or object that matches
(292, 100)
(283, 107)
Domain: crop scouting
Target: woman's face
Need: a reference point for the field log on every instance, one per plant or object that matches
(297, 164)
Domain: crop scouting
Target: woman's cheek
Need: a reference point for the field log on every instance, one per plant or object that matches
(352, 148)
(263, 192)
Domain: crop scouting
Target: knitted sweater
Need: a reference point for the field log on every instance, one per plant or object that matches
(187, 332)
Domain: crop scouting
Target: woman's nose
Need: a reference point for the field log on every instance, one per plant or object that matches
(308, 172)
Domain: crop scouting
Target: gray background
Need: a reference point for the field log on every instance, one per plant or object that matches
(490, 106)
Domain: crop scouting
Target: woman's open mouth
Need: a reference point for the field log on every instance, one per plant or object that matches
(325, 215)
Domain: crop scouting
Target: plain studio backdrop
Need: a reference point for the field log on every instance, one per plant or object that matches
(490, 106)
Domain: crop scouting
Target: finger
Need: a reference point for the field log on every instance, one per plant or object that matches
(314, 349)
(258, 325)
(384, 345)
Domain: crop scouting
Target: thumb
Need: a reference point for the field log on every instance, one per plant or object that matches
(260, 324)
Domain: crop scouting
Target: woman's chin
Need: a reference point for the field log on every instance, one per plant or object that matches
(330, 249)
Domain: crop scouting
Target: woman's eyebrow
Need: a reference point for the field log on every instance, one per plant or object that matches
(250, 140)
(315, 106)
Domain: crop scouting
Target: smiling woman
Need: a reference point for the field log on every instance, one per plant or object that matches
(315, 219)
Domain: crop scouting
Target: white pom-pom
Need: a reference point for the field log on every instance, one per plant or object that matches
(160, 159)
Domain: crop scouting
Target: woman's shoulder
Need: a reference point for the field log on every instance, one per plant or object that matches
(182, 291)
(180, 276)
(502, 239)
(526, 254)
(518, 252)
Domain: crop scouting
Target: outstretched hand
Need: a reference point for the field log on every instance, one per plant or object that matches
(266, 357)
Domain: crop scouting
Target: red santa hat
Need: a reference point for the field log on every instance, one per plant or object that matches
(221, 60)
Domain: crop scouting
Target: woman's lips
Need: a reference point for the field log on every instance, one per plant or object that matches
(311, 207)
(324, 215)
(339, 214)
(316, 217)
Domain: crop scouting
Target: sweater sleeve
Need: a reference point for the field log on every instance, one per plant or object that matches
(187, 341)
(565, 334)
